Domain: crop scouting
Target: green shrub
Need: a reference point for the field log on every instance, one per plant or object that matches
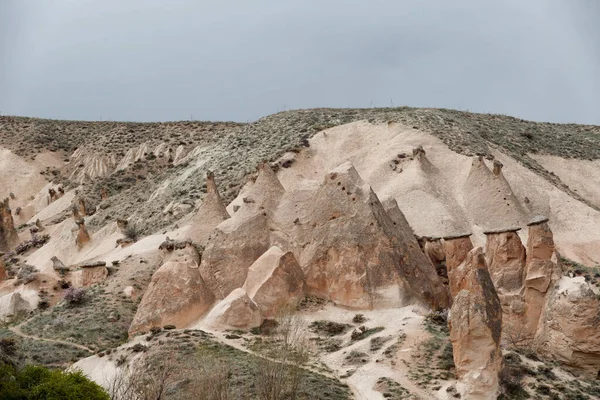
(33, 382)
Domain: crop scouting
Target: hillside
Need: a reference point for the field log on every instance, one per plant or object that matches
(356, 247)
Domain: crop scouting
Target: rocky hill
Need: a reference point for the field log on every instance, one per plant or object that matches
(353, 253)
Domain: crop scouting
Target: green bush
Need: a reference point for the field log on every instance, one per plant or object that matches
(33, 382)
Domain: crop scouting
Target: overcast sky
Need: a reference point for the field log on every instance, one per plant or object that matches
(153, 60)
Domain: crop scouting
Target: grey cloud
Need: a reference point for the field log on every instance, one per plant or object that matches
(240, 60)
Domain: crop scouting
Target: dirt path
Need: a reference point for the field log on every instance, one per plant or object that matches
(17, 331)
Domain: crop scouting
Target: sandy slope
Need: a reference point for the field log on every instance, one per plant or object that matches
(433, 195)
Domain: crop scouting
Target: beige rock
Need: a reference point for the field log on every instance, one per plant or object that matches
(236, 311)
(210, 214)
(275, 282)
(231, 249)
(489, 198)
(542, 271)
(569, 327)
(12, 306)
(176, 295)
(353, 254)
(264, 195)
(505, 258)
(59, 266)
(83, 237)
(39, 225)
(3, 274)
(8, 233)
(456, 249)
(94, 274)
(475, 330)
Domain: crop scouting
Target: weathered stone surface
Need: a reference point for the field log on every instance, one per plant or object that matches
(570, 326)
(236, 311)
(93, 275)
(210, 214)
(356, 255)
(59, 266)
(12, 306)
(542, 272)
(8, 233)
(3, 274)
(275, 282)
(505, 258)
(456, 250)
(83, 237)
(176, 295)
(231, 249)
(475, 330)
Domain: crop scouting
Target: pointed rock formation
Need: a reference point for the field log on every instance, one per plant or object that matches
(456, 249)
(210, 214)
(231, 249)
(83, 237)
(176, 295)
(8, 233)
(275, 282)
(542, 272)
(353, 254)
(489, 198)
(475, 330)
(505, 258)
(265, 194)
(51, 195)
(103, 193)
(236, 311)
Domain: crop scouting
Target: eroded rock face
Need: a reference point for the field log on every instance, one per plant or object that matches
(570, 325)
(176, 295)
(3, 274)
(542, 271)
(475, 330)
(210, 214)
(93, 274)
(83, 237)
(275, 282)
(505, 258)
(8, 233)
(231, 249)
(236, 311)
(12, 306)
(353, 253)
(456, 249)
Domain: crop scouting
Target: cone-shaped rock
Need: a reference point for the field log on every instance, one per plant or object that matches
(275, 282)
(12, 306)
(210, 214)
(456, 249)
(489, 198)
(475, 330)
(355, 256)
(265, 194)
(176, 294)
(236, 311)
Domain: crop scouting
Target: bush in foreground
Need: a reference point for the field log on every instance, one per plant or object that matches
(32, 382)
